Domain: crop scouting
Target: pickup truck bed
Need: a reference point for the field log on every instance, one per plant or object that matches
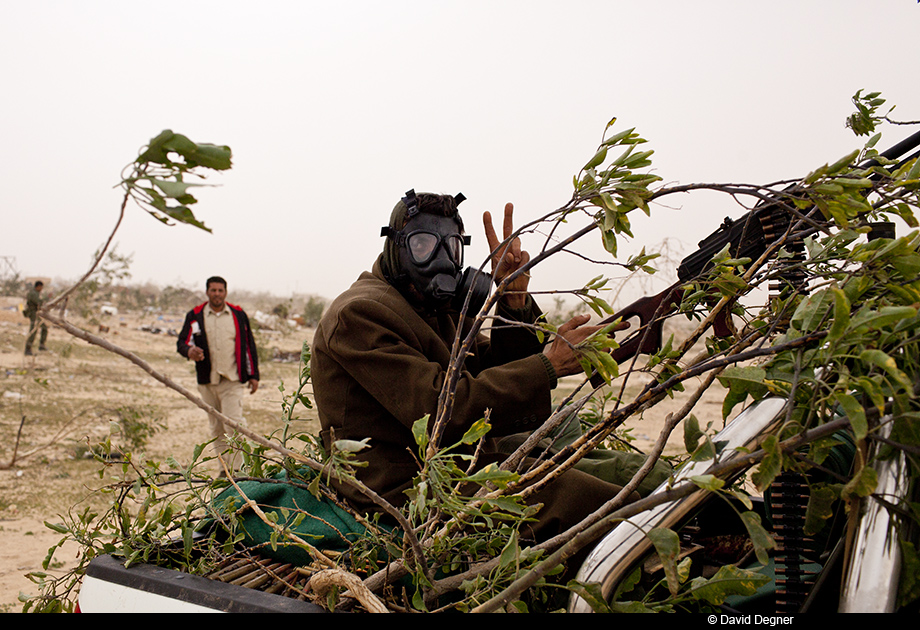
(109, 587)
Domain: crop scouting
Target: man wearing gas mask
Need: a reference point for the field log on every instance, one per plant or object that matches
(382, 350)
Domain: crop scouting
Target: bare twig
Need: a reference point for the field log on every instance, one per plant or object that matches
(323, 581)
(315, 553)
(49, 443)
(245, 431)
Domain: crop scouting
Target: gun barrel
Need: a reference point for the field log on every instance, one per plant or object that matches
(907, 144)
(752, 233)
(748, 237)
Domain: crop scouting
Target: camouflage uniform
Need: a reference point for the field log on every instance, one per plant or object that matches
(33, 303)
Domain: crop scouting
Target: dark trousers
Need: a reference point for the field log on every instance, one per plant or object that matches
(36, 323)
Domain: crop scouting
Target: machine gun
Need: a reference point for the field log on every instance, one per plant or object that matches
(747, 237)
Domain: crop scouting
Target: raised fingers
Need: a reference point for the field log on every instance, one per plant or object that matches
(514, 247)
(508, 229)
(508, 223)
(491, 237)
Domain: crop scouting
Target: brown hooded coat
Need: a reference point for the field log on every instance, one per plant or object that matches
(378, 366)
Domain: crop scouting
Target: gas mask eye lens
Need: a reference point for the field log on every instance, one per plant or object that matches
(423, 246)
(455, 248)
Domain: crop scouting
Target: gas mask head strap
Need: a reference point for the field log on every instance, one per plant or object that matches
(411, 203)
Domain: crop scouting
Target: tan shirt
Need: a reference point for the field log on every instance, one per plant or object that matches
(221, 334)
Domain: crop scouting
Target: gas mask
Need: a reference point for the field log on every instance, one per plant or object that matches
(430, 258)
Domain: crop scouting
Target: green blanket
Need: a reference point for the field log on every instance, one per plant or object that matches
(317, 521)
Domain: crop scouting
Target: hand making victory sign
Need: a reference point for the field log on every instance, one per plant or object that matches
(507, 257)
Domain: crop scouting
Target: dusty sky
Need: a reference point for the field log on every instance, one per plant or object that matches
(334, 110)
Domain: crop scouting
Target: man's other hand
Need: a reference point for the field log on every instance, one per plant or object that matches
(562, 352)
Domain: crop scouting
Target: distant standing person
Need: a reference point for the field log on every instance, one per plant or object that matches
(33, 304)
(218, 337)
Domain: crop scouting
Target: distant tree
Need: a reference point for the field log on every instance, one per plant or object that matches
(313, 310)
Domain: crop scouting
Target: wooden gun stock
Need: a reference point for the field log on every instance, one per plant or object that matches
(652, 311)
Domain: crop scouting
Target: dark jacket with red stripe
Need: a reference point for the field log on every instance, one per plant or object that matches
(247, 359)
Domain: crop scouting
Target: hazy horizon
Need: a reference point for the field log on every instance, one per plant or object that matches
(334, 111)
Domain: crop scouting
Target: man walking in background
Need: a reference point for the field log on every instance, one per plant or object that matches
(218, 337)
(33, 304)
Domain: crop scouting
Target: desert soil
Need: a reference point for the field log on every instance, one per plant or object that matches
(82, 389)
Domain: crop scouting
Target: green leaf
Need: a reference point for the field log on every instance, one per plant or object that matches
(907, 429)
(771, 465)
(820, 508)
(620, 160)
(609, 238)
(742, 498)
(914, 171)
(206, 155)
(60, 528)
(708, 482)
(728, 580)
(420, 431)
(476, 432)
(187, 540)
(628, 583)
(692, 433)
(598, 159)
(885, 316)
(732, 399)
(748, 378)
(667, 544)
(759, 536)
(614, 139)
(908, 265)
(742, 382)
(512, 505)
(862, 484)
(593, 359)
(183, 214)
(871, 389)
(511, 553)
(592, 594)
(889, 365)
(843, 162)
(841, 315)
(172, 189)
(729, 283)
(705, 451)
(493, 474)
(855, 412)
(909, 587)
(213, 156)
(905, 211)
(813, 311)
(631, 608)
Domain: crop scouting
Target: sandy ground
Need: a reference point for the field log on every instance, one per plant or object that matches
(81, 387)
